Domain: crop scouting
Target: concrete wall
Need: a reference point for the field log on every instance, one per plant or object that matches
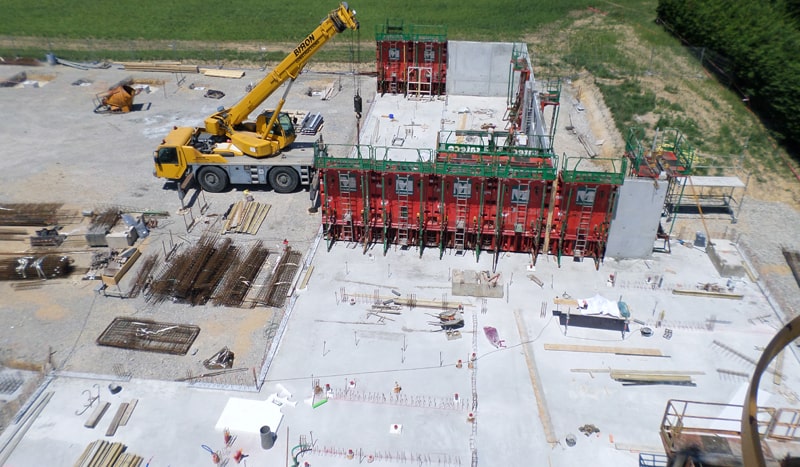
(478, 68)
(635, 223)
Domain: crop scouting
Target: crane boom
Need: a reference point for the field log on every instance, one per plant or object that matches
(255, 140)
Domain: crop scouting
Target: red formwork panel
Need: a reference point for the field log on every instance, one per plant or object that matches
(430, 57)
(373, 206)
(434, 223)
(343, 203)
(392, 61)
(461, 209)
(524, 214)
(491, 213)
(396, 203)
(581, 218)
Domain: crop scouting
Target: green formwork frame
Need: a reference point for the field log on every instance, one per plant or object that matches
(668, 139)
(582, 170)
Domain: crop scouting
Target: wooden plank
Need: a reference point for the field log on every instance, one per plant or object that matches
(450, 305)
(86, 452)
(236, 74)
(703, 293)
(262, 216)
(776, 377)
(649, 378)
(97, 414)
(644, 372)
(565, 301)
(112, 455)
(128, 411)
(151, 63)
(536, 280)
(112, 427)
(304, 282)
(100, 454)
(226, 227)
(601, 349)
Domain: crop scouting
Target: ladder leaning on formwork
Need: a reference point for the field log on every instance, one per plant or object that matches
(584, 224)
(347, 207)
(402, 221)
(521, 212)
(461, 223)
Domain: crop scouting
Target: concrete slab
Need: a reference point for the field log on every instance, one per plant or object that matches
(726, 258)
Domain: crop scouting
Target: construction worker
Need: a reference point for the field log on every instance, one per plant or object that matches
(247, 196)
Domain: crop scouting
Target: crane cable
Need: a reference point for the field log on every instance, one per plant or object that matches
(354, 64)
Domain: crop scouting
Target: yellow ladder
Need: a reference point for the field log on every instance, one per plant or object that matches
(521, 215)
(347, 216)
(584, 225)
(402, 220)
(461, 223)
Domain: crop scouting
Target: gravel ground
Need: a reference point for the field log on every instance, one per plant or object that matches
(63, 152)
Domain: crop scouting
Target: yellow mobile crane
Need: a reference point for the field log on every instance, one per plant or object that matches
(231, 150)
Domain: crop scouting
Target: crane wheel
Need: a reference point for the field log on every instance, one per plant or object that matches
(284, 179)
(213, 179)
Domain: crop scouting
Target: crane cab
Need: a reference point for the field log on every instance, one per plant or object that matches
(282, 131)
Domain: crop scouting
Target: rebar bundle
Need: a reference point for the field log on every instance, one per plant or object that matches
(144, 275)
(35, 267)
(211, 268)
(238, 280)
(104, 221)
(34, 214)
(277, 288)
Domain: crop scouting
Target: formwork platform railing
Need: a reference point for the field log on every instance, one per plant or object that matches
(713, 430)
(491, 142)
(634, 149)
(670, 152)
(375, 158)
(675, 151)
(593, 170)
(397, 30)
(427, 33)
(391, 30)
(510, 162)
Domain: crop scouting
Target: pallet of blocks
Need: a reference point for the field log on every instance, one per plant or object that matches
(107, 454)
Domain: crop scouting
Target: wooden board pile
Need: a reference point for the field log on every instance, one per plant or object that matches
(161, 66)
(245, 217)
(106, 454)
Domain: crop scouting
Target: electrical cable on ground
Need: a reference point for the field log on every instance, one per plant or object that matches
(403, 370)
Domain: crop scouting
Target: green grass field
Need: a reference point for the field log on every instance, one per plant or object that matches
(270, 21)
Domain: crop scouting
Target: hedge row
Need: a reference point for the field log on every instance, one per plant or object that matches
(762, 41)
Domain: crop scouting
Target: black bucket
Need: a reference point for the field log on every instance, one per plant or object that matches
(267, 437)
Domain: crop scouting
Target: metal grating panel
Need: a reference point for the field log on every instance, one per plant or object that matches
(9, 384)
(150, 336)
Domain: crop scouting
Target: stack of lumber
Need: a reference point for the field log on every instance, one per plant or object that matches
(168, 67)
(105, 454)
(245, 217)
(644, 352)
(217, 73)
(710, 294)
(663, 377)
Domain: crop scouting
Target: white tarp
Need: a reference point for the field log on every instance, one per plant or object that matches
(598, 305)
